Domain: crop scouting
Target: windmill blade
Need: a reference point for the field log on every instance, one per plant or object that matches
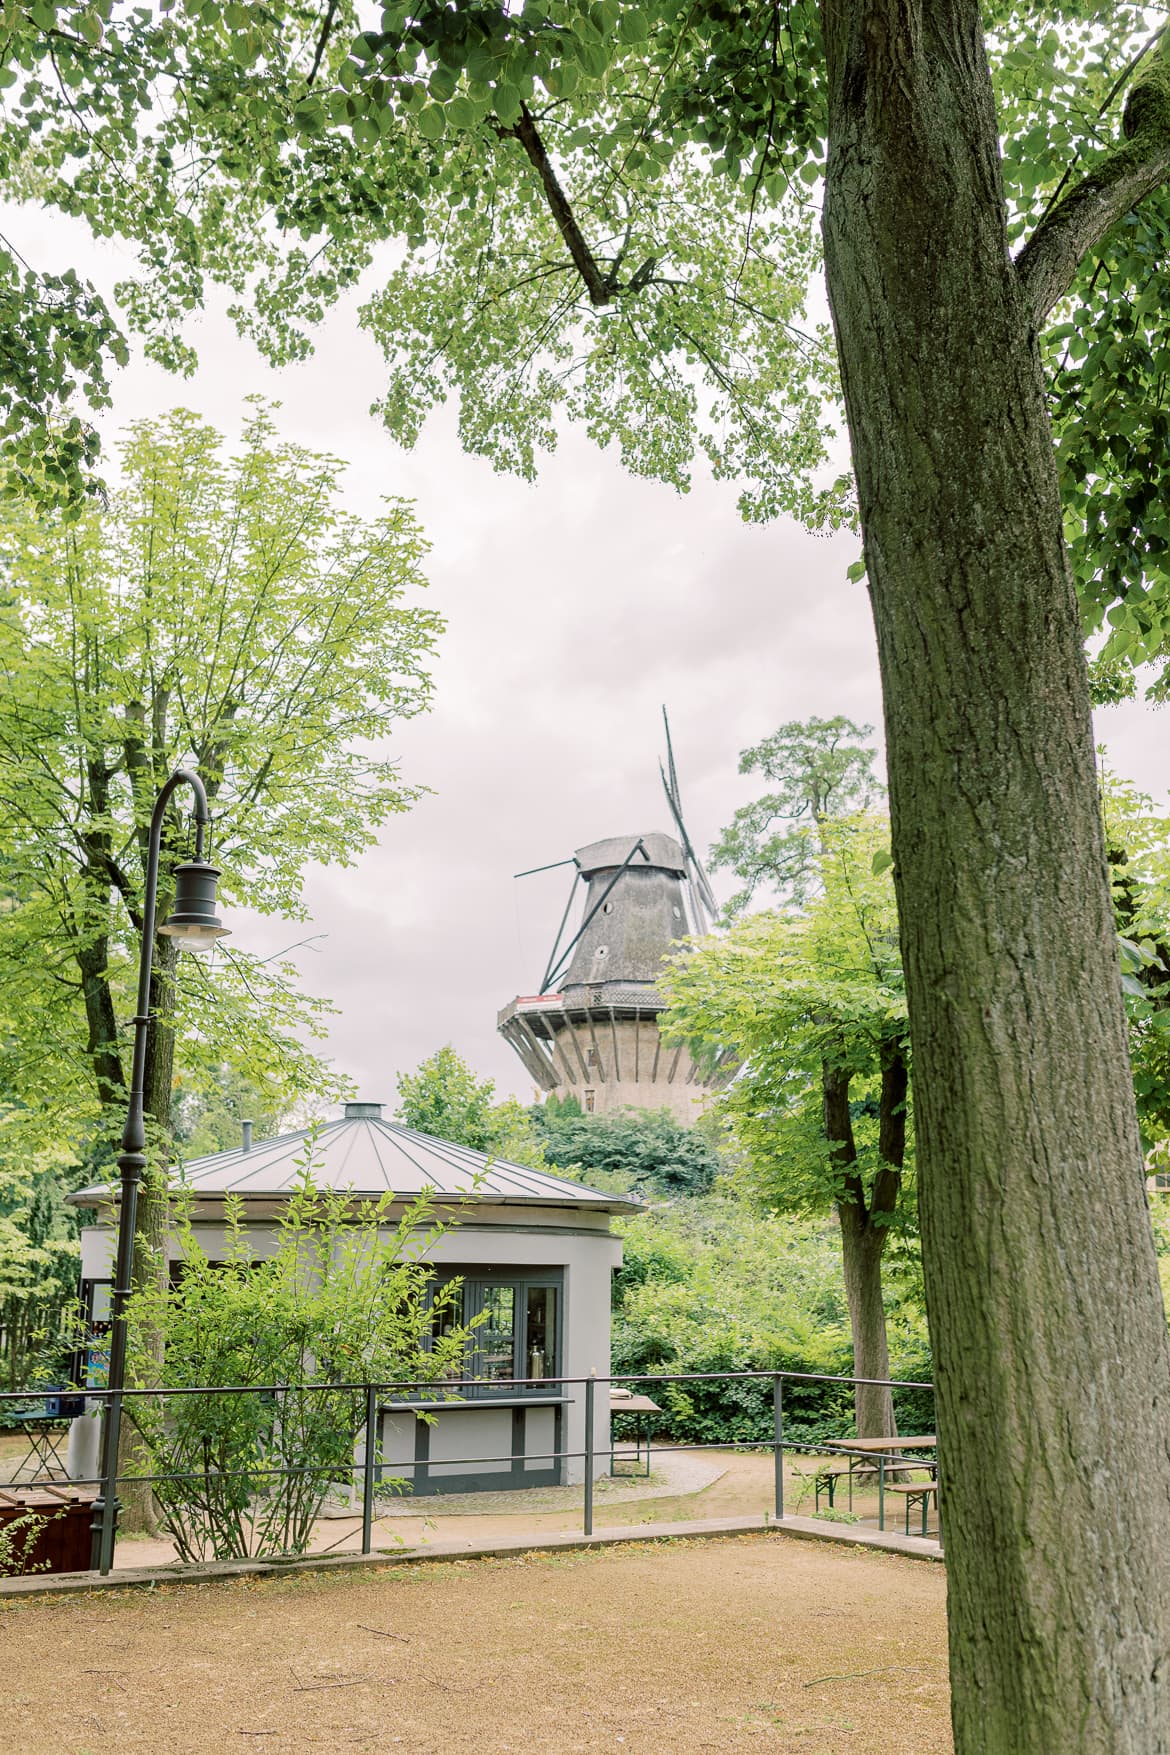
(703, 900)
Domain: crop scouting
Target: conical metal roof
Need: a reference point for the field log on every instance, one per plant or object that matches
(367, 1156)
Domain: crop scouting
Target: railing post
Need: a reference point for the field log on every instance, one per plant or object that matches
(882, 1491)
(368, 1468)
(590, 1393)
(106, 1506)
(778, 1441)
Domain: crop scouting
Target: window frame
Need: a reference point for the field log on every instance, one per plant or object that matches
(477, 1279)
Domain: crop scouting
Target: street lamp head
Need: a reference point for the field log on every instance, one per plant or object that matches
(193, 923)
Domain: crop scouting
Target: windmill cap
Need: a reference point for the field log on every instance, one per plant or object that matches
(663, 853)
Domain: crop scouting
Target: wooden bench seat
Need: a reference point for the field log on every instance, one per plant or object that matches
(923, 1491)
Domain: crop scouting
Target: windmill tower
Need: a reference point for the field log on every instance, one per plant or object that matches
(592, 1030)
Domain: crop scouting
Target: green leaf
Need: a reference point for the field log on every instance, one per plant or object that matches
(462, 113)
(507, 102)
(431, 123)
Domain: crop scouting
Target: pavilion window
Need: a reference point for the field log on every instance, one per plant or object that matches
(515, 1325)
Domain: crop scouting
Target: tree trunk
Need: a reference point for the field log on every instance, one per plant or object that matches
(1046, 1318)
(862, 1243)
(91, 928)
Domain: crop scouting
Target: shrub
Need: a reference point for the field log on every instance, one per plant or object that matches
(341, 1300)
(709, 1286)
(18, 1538)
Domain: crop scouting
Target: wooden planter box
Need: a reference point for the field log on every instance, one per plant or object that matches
(64, 1541)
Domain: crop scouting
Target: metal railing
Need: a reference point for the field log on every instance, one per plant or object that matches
(378, 1401)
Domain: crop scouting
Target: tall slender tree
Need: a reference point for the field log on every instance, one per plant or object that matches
(813, 1006)
(223, 611)
(815, 769)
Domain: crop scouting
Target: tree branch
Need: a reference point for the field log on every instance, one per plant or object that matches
(598, 285)
(323, 40)
(1048, 263)
(838, 1125)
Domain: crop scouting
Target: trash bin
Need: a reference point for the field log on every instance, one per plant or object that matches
(62, 1542)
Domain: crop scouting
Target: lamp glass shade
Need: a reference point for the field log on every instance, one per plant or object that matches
(193, 922)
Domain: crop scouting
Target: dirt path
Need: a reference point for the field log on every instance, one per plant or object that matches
(687, 1646)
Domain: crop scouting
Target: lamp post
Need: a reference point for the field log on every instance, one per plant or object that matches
(192, 924)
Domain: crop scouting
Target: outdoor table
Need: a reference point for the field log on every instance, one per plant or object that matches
(891, 1449)
(622, 1401)
(47, 1429)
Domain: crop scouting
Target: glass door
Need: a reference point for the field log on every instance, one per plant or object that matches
(540, 1337)
(495, 1337)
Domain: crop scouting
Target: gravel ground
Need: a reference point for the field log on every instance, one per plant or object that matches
(697, 1645)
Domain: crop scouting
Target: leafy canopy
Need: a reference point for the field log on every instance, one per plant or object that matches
(815, 769)
(222, 611)
(445, 1098)
(1137, 838)
(791, 993)
(648, 1151)
(713, 1285)
(601, 209)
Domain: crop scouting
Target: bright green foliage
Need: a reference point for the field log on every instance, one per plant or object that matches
(206, 1114)
(709, 1285)
(549, 171)
(1160, 1213)
(645, 1151)
(1106, 347)
(444, 1098)
(815, 769)
(1138, 843)
(603, 209)
(19, 1537)
(222, 611)
(39, 1258)
(789, 994)
(343, 1299)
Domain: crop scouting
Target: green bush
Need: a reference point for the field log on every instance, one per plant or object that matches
(708, 1286)
(646, 1150)
(18, 1539)
(342, 1300)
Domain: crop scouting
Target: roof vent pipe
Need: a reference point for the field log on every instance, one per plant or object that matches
(246, 1131)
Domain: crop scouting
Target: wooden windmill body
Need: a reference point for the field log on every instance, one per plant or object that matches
(592, 1032)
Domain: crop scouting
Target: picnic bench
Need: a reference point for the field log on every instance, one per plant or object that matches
(865, 1458)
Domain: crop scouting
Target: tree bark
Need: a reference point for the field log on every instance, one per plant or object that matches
(861, 1252)
(91, 928)
(862, 1244)
(1047, 1325)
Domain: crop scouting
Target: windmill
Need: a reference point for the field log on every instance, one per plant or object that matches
(592, 1032)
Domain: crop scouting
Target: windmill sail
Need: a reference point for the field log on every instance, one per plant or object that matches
(703, 904)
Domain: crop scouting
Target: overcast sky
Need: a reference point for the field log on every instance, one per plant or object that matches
(575, 609)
